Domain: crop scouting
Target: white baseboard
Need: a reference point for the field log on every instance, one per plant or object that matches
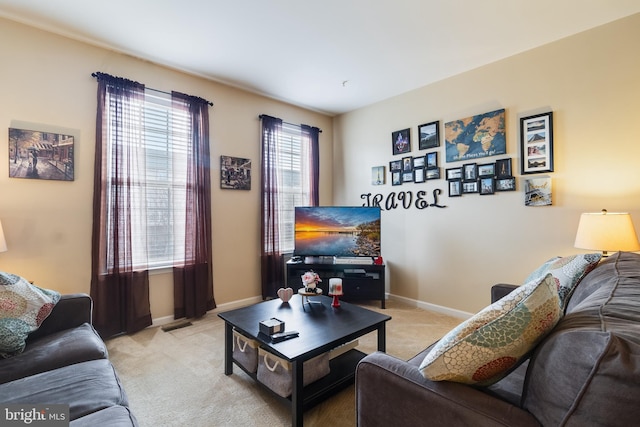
(160, 321)
(432, 307)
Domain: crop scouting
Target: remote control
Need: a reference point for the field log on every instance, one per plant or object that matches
(281, 336)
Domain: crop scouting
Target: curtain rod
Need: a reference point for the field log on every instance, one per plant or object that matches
(95, 75)
(292, 124)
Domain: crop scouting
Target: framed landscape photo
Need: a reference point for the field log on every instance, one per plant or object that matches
(401, 141)
(429, 135)
(506, 184)
(433, 173)
(536, 140)
(418, 162)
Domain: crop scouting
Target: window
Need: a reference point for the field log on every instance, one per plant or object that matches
(158, 184)
(292, 160)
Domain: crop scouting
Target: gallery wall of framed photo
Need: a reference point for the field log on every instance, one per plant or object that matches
(469, 142)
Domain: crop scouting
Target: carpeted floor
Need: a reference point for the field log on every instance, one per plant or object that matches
(176, 378)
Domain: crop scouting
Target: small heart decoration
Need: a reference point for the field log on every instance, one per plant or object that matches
(285, 294)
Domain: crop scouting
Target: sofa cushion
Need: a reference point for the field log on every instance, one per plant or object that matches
(567, 272)
(54, 351)
(484, 348)
(587, 371)
(112, 416)
(23, 307)
(86, 387)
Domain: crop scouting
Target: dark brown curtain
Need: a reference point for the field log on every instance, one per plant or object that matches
(193, 280)
(272, 272)
(311, 136)
(120, 295)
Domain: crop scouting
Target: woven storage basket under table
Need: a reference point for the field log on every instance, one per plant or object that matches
(275, 372)
(245, 351)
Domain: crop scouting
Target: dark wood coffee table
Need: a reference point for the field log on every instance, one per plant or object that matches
(322, 328)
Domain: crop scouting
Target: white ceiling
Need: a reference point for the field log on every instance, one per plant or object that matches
(331, 56)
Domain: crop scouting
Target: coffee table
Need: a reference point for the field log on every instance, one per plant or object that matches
(322, 328)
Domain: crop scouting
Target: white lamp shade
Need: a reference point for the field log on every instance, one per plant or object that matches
(3, 242)
(606, 231)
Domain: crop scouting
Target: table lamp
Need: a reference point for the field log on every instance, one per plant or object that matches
(3, 242)
(606, 231)
(335, 290)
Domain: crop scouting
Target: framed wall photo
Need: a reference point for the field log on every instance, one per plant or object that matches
(395, 165)
(429, 135)
(418, 175)
(487, 185)
(418, 162)
(433, 173)
(407, 176)
(454, 173)
(396, 178)
(455, 188)
(487, 169)
(407, 164)
(470, 172)
(506, 184)
(469, 187)
(401, 141)
(503, 168)
(432, 160)
(536, 141)
(377, 175)
(41, 155)
(235, 173)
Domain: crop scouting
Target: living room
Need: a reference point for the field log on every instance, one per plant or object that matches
(444, 259)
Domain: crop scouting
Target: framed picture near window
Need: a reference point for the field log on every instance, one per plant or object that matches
(429, 135)
(536, 140)
(503, 168)
(470, 172)
(454, 173)
(487, 169)
(235, 173)
(401, 141)
(487, 185)
(455, 188)
(41, 155)
(418, 175)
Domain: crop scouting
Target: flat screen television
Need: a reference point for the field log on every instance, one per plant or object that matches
(342, 231)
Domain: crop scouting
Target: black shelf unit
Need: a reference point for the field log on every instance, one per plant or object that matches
(359, 281)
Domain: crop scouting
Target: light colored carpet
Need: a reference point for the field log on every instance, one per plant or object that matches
(176, 378)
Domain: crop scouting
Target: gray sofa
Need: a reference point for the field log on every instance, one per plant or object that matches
(586, 372)
(65, 362)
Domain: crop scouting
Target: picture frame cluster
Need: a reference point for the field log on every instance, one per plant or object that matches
(416, 169)
(481, 178)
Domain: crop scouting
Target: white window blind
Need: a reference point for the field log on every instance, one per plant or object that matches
(158, 183)
(293, 160)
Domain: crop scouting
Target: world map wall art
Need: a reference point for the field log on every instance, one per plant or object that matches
(475, 137)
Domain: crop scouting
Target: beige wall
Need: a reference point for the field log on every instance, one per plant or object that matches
(450, 257)
(46, 84)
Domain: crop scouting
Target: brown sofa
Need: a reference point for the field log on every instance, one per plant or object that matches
(586, 372)
(65, 362)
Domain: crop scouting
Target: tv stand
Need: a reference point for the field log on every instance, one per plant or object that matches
(359, 281)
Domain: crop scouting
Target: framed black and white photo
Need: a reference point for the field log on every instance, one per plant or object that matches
(395, 165)
(418, 162)
(396, 178)
(418, 175)
(407, 164)
(429, 135)
(377, 175)
(455, 188)
(407, 176)
(469, 187)
(470, 172)
(401, 141)
(536, 141)
(235, 173)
